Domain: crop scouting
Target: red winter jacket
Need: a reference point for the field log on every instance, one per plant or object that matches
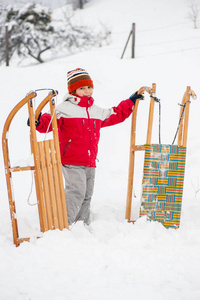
(79, 123)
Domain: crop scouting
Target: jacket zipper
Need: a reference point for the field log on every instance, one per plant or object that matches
(66, 147)
(89, 152)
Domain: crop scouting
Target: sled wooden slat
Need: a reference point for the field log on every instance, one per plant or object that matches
(47, 170)
(18, 169)
(137, 148)
(21, 240)
(51, 185)
(56, 185)
(45, 185)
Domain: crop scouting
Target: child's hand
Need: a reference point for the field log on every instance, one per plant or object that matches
(135, 96)
(37, 122)
(139, 93)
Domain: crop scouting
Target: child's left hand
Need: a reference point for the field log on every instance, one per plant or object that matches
(136, 96)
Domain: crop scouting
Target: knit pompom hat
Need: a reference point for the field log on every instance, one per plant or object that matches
(78, 78)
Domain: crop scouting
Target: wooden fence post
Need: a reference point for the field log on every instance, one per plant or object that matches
(133, 41)
(7, 45)
(132, 32)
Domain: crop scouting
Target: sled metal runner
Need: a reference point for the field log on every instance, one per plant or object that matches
(164, 167)
(47, 170)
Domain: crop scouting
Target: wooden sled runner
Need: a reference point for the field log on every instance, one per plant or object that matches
(164, 167)
(47, 170)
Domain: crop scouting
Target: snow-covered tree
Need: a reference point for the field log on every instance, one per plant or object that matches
(73, 36)
(194, 10)
(32, 32)
(2, 30)
(29, 30)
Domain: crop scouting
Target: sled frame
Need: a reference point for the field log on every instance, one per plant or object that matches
(47, 170)
(182, 138)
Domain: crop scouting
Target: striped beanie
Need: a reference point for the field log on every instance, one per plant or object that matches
(78, 78)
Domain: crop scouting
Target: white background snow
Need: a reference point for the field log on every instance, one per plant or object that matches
(114, 259)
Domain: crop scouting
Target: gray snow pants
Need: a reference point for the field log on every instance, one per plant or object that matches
(79, 185)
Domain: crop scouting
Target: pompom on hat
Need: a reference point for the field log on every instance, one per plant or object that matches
(78, 78)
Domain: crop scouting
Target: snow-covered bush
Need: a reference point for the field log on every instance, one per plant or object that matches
(32, 32)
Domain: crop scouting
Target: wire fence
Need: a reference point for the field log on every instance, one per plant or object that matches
(179, 37)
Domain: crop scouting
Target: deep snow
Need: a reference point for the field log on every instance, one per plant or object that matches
(113, 259)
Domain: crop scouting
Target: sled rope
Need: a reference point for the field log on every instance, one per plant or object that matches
(74, 223)
(30, 193)
(180, 119)
(49, 125)
(158, 101)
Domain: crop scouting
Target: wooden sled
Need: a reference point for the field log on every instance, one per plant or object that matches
(47, 170)
(164, 167)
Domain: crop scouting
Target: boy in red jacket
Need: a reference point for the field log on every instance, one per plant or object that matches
(79, 123)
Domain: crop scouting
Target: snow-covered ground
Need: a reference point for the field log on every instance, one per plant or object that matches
(113, 259)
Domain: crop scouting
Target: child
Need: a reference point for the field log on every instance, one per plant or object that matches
(79, 123)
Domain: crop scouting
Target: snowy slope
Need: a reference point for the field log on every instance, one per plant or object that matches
(113, 260)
